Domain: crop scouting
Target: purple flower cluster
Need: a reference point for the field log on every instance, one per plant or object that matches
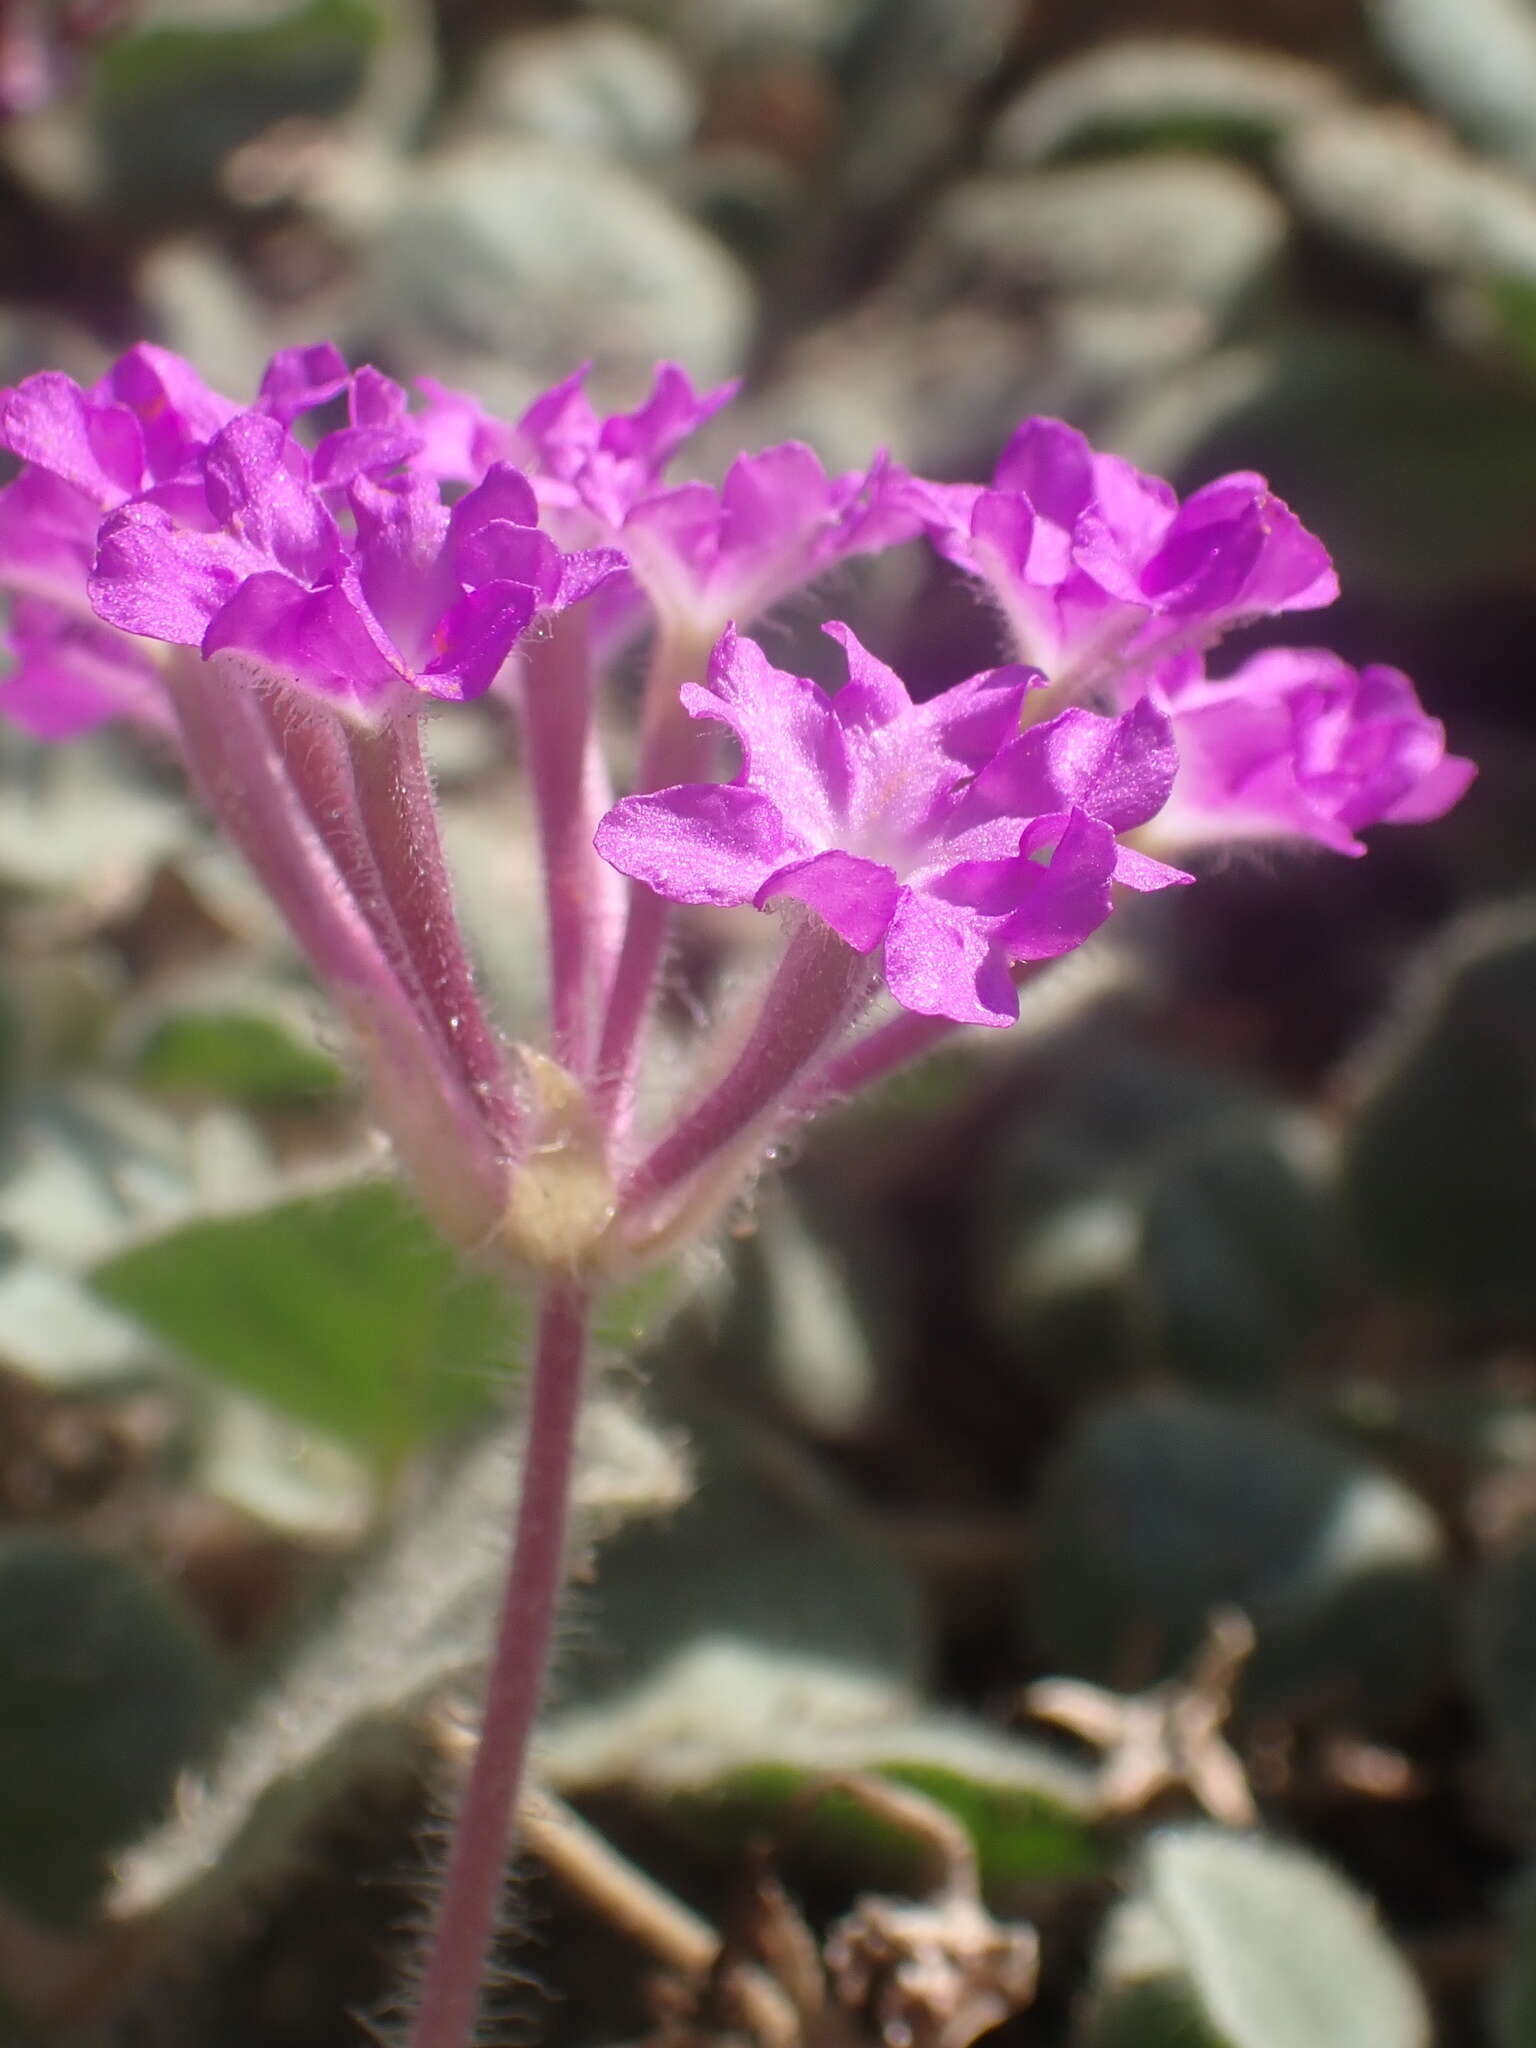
(337, 554)
(163, 510)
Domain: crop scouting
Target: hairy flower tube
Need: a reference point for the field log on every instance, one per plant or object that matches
(285, 590)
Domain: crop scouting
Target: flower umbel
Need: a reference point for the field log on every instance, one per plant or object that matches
(286, 599)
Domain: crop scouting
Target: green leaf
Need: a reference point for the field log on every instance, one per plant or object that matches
(242, 1056)
(341, 1309)
(1232, 1941)
(1512, 301)
(1027, 1814)
(727, 1733)
(106, 1690)
(1160, 1509)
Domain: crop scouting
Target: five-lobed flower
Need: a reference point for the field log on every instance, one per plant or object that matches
(937, 831)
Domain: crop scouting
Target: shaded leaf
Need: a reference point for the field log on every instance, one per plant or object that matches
(1502, 1647)
(1513, 2004)
(1325, 422)
(1441, 1166)
(755, 1643)
(1232, 1941)
(1238, 1252)
(1159, 1510)
(97, 1717)
(173, 100)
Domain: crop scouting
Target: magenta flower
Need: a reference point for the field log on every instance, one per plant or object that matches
(590, 471)
(701, 554)
(1097, 567)
(147, 422)
(1296, 744)
(71, 674)
(704, 555)
(936, 829)
(247, 557)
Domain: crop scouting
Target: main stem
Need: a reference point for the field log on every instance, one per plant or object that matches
(471, 1890)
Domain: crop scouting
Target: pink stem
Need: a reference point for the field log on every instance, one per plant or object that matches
(435, 1123)
(819, 987)
(669, 741)
(557, 725)
(880, 1053)
(472, 1884)
(629, 1005)
(399, 819)
(885, 1051)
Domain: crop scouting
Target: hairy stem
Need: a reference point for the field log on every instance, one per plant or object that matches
(399, 820)
(465, 1921)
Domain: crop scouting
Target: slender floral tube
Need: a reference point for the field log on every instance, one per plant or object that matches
(557, 725)
(669, 741)
(471, 1889)
(399, 817)
(314, 747)
(435, 1123)
(818, 989)
(872, 1059)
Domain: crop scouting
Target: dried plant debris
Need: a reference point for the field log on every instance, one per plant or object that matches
(1167, 1740)
(932, 1972)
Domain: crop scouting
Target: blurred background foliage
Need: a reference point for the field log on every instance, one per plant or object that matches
(1209, 1292)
